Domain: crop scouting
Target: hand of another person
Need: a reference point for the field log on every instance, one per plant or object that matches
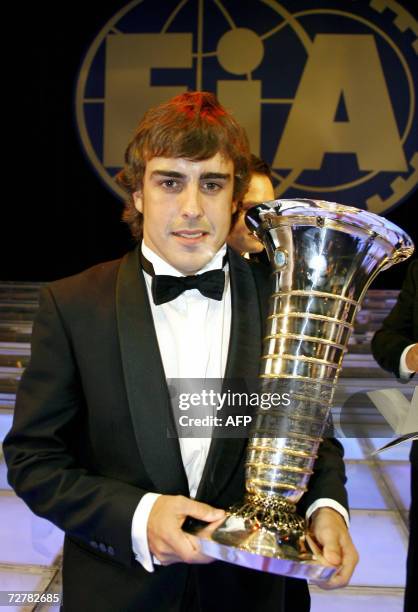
(330, 533)
(411, 358)
(166, 539)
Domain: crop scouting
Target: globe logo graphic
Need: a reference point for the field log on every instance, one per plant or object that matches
(325, 90)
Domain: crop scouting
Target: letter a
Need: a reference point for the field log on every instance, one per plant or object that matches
(345, 64)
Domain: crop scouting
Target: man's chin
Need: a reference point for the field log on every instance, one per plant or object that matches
(191, 262)
(254, 248)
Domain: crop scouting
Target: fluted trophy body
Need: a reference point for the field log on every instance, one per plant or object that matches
(323, 258)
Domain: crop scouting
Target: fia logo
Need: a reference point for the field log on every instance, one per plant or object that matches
(326, 90)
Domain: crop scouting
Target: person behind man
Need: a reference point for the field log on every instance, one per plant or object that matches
(395, 348)
(260, 189)
(90, 447)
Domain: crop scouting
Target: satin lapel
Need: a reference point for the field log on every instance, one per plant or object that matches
(243, 362)
(145, 381)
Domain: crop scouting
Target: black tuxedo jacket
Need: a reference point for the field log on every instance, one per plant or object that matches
(399, 329)
(89, 439)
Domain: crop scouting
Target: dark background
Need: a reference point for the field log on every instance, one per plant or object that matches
(58, 217)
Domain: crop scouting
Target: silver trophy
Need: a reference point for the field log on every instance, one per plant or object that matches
(324, 257)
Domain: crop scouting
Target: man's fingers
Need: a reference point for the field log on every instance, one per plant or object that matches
(349, 561)
(173, 548)
(201, 511)
(166, 539)
(411, 358)
(331, 548)
(183, 549)
(330, 532)
(198, 556)
(328, 539)
(340, 579)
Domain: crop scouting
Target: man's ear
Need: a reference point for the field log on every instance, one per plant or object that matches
(236, 209)
(138, 201)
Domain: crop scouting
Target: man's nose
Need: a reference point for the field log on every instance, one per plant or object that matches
(191, 202)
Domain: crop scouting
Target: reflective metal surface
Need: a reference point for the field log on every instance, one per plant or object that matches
(324, 257)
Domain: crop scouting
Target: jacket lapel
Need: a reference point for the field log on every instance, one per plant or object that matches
(242, 363)
(145, 381)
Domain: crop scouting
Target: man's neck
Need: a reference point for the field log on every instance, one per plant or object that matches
(161, 266)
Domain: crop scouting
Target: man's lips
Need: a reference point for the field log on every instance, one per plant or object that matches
(190, 235)
(254, 237)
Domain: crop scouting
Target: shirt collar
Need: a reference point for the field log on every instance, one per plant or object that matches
(163, 267)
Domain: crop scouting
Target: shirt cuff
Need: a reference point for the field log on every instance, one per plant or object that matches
(404, 371)
(139, 532)
(327, 502)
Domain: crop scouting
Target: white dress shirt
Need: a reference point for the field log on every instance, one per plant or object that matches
(193, 336)
(405, 373)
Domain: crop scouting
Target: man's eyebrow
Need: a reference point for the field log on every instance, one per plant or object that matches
(215, 175)
(179, 175)
(169, 173)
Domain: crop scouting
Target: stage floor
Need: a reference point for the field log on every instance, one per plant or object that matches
(30, 552)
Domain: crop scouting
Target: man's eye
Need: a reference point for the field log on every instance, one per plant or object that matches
(170, 184)
(211, 186)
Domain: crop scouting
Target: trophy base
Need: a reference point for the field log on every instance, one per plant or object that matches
(261, 549)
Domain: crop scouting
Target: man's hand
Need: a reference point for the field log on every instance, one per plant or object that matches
(330, 532)
(411, 358)
(166, 540)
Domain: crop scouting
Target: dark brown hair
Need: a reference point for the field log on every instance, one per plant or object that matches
(193, 126)
(259, 166)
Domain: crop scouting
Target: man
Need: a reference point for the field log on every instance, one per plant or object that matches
(395, 348)
(260, 189)
(89, 448)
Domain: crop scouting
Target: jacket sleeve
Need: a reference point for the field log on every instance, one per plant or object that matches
(42, 469)
(328, 478)
(397, 330)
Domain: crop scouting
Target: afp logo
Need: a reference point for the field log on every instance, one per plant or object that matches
(327, 91)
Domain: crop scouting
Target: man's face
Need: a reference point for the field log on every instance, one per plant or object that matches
(240, 238)
(187, 207)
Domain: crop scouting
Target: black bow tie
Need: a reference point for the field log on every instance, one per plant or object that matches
(165, 288)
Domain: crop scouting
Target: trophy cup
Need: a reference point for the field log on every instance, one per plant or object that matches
(323, 257)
